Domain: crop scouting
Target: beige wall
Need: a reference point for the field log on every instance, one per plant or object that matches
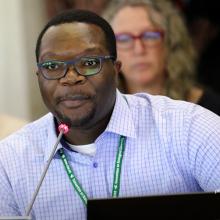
(20, 23)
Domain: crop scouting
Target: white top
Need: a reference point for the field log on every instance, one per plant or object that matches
(88, 149)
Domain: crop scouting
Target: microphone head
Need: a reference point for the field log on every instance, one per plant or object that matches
(64, 128)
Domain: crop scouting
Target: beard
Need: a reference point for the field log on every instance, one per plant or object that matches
(75, 122)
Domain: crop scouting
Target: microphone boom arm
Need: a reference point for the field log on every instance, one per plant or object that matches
(63, 129)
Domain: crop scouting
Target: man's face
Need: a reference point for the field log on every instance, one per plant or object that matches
(80, 101)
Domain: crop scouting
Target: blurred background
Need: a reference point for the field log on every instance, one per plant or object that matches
(20, 23)
(22, 20)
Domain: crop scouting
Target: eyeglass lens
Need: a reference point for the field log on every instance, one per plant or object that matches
(88, 66)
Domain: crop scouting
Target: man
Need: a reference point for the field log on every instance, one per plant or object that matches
(118, 145)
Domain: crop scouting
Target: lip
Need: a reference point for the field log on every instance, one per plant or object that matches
(73, 101)
(141, 66)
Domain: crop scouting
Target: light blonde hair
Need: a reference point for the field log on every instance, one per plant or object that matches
(181, 56)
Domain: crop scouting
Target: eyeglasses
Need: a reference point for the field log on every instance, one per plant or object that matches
(149, 38)
(86, 66)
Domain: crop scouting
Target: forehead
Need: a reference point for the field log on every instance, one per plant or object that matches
(132, 19)
(72, 37)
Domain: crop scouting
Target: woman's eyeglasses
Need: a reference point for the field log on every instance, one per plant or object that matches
(150, 38)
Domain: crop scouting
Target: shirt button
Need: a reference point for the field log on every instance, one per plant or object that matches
(95, 164)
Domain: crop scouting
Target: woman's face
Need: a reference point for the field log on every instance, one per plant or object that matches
(143, 59)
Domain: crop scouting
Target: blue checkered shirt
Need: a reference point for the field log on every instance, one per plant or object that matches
(171, 147)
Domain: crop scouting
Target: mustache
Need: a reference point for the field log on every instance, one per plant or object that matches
(73, 97)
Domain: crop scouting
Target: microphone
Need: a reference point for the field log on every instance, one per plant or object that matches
(63, 129)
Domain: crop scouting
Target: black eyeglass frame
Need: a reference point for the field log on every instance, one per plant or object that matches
(72, 62)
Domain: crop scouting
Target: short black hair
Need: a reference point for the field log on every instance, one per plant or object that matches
(85, 16)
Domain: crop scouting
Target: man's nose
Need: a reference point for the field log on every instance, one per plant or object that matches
(139, 47)
(72, 77)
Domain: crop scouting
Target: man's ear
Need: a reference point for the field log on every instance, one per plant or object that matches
(37, 72)
(117, 65)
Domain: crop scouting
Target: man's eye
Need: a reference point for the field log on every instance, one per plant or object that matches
(91, 62)
(50, 66)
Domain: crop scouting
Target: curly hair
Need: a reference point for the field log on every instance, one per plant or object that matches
(181, 55)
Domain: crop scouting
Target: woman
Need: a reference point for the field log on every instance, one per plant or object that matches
(156, 51)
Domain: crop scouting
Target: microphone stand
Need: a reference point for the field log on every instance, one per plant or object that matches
(28, 210)
(63, 129)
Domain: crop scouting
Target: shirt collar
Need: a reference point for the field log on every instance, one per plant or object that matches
(121, 121)
(52, 138)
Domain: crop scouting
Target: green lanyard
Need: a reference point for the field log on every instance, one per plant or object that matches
(117, 172)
